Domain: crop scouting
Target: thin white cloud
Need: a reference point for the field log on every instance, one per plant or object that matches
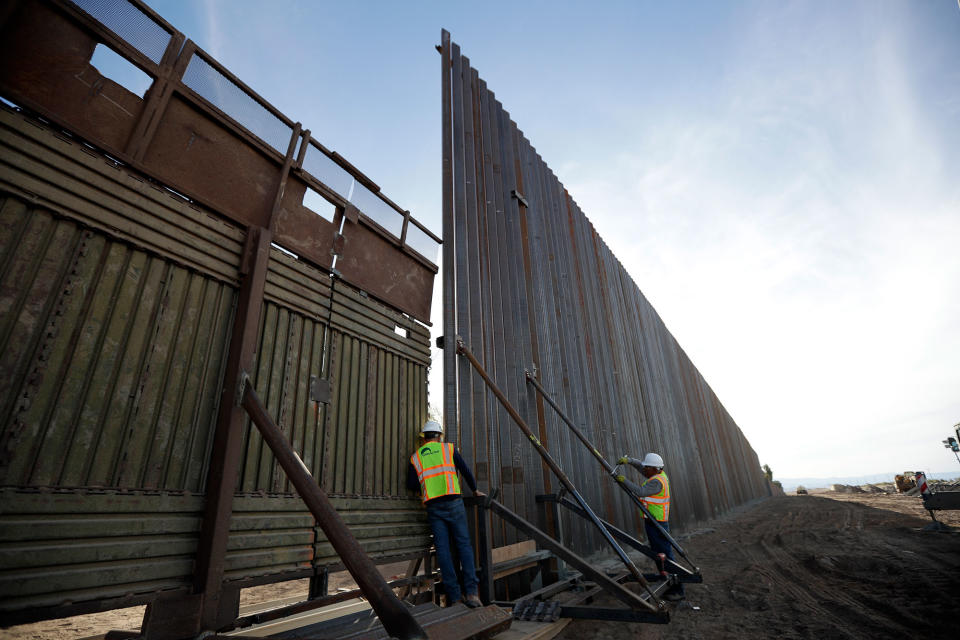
(800, 242)
(213, 10)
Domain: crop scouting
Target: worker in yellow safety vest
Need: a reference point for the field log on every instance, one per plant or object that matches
(654, 492)
(433, 472)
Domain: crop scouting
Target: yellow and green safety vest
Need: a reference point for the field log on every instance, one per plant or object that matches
(659, 503)
(436, 470)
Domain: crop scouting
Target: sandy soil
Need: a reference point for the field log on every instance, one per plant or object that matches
(826, 565)
(96, 624)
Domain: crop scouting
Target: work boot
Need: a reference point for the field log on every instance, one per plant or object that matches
(472, 600)
(661, 562)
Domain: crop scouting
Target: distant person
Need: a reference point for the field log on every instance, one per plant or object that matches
(433, 472)
(654, 492)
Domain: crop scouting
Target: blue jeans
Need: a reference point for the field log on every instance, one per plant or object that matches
(660, 544)
(448, 521)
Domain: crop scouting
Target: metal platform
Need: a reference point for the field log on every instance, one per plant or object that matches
(450, 623)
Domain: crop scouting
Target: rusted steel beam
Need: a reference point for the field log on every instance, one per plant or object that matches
(156, 100)
(449, 302)
(610, 469)
(484, 552)
(564, 480)
(288, 161)
(228, 437)
(394, 616)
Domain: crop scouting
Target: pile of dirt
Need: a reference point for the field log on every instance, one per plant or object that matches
(827, 565)
(846, 488)
(872, 488)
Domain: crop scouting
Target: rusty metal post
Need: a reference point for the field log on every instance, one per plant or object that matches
(484, 549)
(396, 618)
(548, 459)
(449, 299)
(228, 437)
(610, 469)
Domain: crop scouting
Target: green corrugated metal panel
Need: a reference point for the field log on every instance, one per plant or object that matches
(377, 407)
(62, 546)
(355, 313)
(111, 360)
(297, 286)
(62, 174)
(78, 545)
(275, 534)
(116, 306)
(305, 290)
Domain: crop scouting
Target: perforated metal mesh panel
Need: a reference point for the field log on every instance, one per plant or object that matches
(423, 244)
(328, 172)
(377, 210)
(224, 94)
(131, 24)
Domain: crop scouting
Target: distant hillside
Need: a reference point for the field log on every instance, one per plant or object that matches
(789, 484)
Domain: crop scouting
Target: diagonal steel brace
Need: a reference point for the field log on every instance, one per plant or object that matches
(610, 469)
(564, 480)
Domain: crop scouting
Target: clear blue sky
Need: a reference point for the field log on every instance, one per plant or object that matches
(782, 179)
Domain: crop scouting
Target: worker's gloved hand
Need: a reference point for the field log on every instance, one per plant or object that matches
(621, 478)
(623, 460)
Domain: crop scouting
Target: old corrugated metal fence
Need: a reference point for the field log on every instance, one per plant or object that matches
(151, 248)
(533, 287)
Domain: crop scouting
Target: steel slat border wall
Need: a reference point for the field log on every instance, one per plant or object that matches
(537, 288)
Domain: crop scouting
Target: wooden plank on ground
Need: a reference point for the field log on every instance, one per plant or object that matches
(531, 630)
(303, 619)
(511, 551)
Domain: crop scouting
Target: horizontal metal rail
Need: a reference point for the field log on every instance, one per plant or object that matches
(395, 617)
(610, 469)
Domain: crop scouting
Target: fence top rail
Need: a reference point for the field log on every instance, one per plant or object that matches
(138, 34)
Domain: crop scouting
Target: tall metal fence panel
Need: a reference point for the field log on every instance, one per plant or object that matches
(156, 251)
(533, 289)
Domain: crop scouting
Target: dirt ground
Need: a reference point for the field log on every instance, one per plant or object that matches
(96, 624)
(826, 565)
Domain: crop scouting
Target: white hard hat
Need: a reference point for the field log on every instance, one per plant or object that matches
(432, 426)
(653, 460)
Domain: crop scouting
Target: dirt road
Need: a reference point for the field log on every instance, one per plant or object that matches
(819, 566)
